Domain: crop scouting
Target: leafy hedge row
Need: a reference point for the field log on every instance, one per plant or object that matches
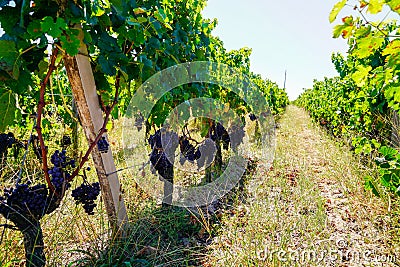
(360, 103)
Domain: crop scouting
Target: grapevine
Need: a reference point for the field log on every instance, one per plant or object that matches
(357, 104)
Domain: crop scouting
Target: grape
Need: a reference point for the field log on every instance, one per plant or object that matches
(197, 154)
(220, 130)
(182, 159)
(252, 117)
(219, 134)
(207, 152)
(10, 139)
(159, 156)
(170, 142)
(155, 140)
(66, 140)
(6, 142)
(188, 151)
(59, 173)
(86, 194)
(28, 199)
(103, 145)
(33, 201)
(237, 135)
(160, 162)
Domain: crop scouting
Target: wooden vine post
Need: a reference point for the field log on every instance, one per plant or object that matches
(83, 86)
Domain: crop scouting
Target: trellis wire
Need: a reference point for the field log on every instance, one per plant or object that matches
(18, 180)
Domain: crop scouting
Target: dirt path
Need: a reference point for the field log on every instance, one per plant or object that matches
(309, 209)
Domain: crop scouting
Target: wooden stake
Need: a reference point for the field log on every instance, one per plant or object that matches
(284, 83)
(83, 86)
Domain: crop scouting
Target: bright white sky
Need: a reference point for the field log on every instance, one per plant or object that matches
(284, 34)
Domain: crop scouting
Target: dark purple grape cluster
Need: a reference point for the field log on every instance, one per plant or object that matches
(160, 162)
(37, 200)
(252, 117)
(219, 134)
(58, 180)
(32, 201)
(163, 144)
(6, 142)
(207, 150)
(66, 141)
(59, 173)
(189, 152)
(234, 137)
(155, 140)
(237, 135)
(86, 194)
(60, 159)
(103, 145)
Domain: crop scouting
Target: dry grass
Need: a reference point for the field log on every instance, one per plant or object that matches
(310, 209)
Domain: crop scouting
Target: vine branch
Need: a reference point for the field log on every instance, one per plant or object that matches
(40, 109)
(377, 27)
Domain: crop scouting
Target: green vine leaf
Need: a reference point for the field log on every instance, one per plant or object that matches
(9, 18)
(35, 29)
(394, 5)
(54, 29)
(370, 185)
(368, 45)
(336, 9)
(392, 94)
(8, 108)
(392, 51)
(8, 57)
(119, 5)
(345, 29)
(71, 42)
(99, 7)
(375, 6)
(360, 76)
